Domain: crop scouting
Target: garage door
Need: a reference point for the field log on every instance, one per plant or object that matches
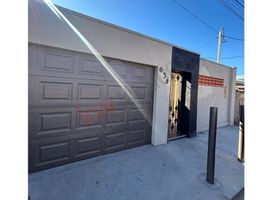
(77, 110)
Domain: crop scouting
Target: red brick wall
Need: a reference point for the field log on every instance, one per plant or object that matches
(210, 81)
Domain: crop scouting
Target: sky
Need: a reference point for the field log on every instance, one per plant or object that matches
(167, 20)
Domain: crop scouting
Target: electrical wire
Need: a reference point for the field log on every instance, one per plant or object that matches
(226, 58)
(233, 38)
(205, 23)
(226, 5)
(236, 6)
(207, 43)
(231, 8)
(239, 3)
(199, 19)
(214, 30)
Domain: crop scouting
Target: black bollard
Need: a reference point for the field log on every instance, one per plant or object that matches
(241, 135)
(212, 144)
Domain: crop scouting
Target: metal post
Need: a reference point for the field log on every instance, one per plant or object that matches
(212, 144)
(241, 135)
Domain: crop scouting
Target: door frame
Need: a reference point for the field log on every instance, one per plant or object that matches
(184, 61)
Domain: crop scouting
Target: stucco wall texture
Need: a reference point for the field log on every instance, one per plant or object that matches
(221, 97)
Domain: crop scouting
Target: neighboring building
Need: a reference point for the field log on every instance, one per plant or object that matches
(239, 99)
(145, 90)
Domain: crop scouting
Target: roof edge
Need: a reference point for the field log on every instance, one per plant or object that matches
(123, 29)
(222, 65)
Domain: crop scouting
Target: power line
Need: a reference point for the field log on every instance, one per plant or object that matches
(236, 6)
(232, 57)
(233, 38)
(199, 19)
(230, 8)
(239, 3)
(213, 29)
(226, 5)
(207, 43)
(205, 23)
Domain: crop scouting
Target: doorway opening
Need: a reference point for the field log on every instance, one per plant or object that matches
(179, 105)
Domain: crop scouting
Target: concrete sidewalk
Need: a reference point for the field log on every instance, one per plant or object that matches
(172, 171)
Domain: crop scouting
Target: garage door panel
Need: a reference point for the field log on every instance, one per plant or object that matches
(77, 110)
(138, 124)
(61, 91)
(113, 76)
(137, 136)
(54, 152)
(46, 91)
(90, 65)
(116, 92)
(89, 92)
(137, 73)
(49, 152)
(137, 104)
(81, 75)
(87, 131)
(45, 61)
(58, 62)
(115, 128)
(115, 141)
(56, 91)
(52, 61)
(55, 121)
(116, 117)
(140, 73)
(136, 114)
(117, 66)
(90, 68)
(88, 119)
(51, 121)
(87, 146)
(139, 92)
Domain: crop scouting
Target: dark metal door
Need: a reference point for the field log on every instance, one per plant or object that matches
(77, 110)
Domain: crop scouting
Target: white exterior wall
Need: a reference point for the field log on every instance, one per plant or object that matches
(215, 96)
(111, 41)
(47, 29)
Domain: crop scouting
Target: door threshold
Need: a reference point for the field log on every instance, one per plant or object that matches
(178, 137)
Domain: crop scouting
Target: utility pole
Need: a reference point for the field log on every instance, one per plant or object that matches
(219, 45)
